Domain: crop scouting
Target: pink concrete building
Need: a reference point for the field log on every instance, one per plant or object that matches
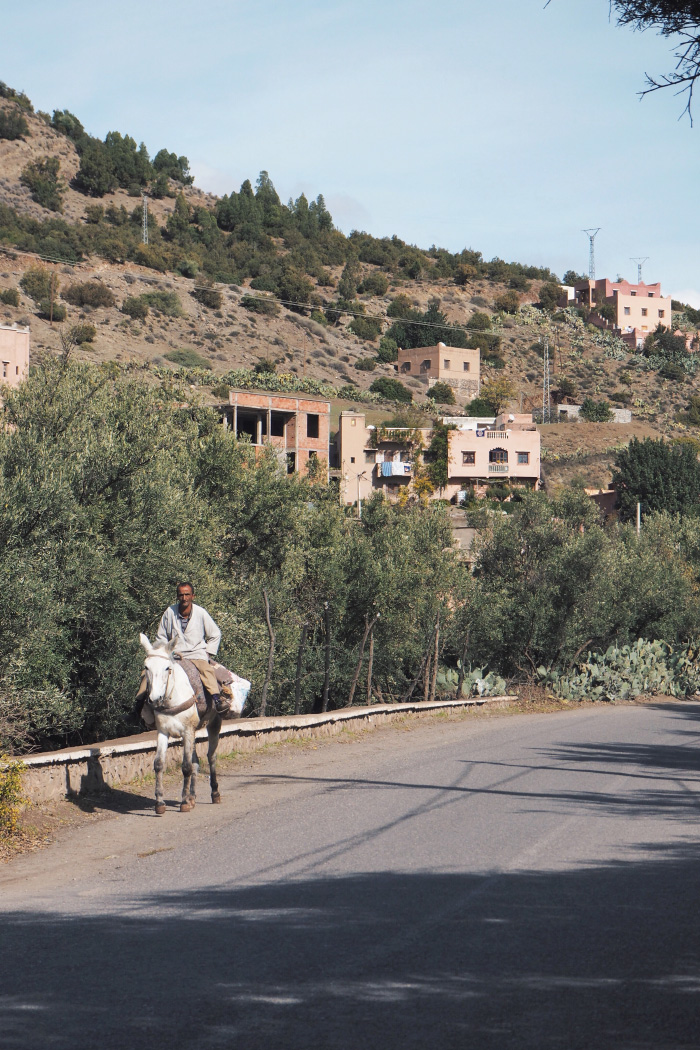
(14, 354)
(454, 365)
(638, 308)
(298, 427)
(501, 450)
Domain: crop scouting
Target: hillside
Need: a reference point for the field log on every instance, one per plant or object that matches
(213, 259)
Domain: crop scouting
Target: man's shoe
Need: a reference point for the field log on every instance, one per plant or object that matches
(221, 704)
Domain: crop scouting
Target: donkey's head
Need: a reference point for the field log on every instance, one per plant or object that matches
(159, 666)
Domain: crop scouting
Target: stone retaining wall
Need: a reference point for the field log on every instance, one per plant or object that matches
(89, 770)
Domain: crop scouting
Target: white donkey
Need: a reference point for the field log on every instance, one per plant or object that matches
(175, 709)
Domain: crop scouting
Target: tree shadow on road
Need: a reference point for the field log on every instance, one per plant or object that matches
(602, 957)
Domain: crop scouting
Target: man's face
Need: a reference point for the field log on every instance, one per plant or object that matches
(184, 599)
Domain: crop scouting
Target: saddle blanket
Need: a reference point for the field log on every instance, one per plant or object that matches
(234, 688)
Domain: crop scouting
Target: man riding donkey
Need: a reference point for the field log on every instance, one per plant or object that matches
(197, 640)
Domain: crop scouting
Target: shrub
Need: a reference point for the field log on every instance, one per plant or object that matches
(89, 293)
(167, 302)
(508, 302)
(94, 214)
(266, 307)
(188, 268)
(519, 283)
(479, 322)
(465, 273)
(550, 294)
(366, 364)
(401, 306)
(265, 366)
(479, 406)
(391, 389)
(374, 284)
(42, 178)
(82, 333)
(135, 307)
(12, 124)
(494, 360)
(206, 294)
(10, 297)
(187, 358)
(38, 284)
(365, 327)
(52, 311)
(566, 387)
(671, 370)
(264, 282)
(595, 411)
(388, 350)
(442, 393)
(607, 312)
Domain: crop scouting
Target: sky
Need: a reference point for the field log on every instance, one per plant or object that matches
(507, 127)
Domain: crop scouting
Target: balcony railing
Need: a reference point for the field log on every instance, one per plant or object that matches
(498, 468)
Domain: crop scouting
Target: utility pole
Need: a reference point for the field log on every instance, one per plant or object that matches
(546, 397)
(640, 262)
(144, 223)
(591, 234)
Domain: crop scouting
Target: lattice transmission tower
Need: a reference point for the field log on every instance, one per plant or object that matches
(591, 234)
(640, 262)
(144, 223)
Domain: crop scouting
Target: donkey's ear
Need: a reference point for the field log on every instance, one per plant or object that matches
(145, 643)
(170, 647)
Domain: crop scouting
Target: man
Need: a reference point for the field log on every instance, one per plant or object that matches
(198, 638)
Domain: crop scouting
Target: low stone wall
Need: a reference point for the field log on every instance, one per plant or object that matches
(90, 770)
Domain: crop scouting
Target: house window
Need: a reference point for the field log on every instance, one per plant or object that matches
(313, 454)
(650, 294)
(352, 459)
(445, 363)
(644, 312)
(627, 311)
(311, 425)
(662, 313)
(291, 462)
(633, 293)
(498, 455)
(523, 457)
(469, 457)
(353, 422)
(406, 366)
(277, 421)
(465, 366)
(425, 366)
(370, 456)
(16, 370)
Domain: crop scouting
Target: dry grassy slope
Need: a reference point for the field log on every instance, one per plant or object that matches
(233, 337)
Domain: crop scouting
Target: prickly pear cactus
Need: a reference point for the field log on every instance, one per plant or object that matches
(628, 671)
(476, 682)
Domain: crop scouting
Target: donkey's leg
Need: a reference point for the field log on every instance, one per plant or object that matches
(187, 744)
(195, 771)
(158, 766)
(213, 730)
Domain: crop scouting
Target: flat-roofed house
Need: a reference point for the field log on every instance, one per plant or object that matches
(14, 355)
(454, 365)
(481, 452)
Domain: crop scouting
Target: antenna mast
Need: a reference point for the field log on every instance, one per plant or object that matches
(546, 399)
(144, 225)
(591, 254)
(640, 262)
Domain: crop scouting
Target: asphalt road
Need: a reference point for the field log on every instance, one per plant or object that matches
(517, 882)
